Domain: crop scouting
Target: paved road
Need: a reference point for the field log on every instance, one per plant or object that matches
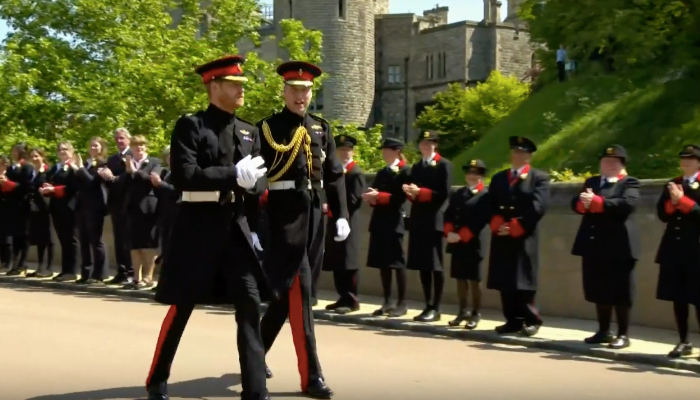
(68, 346)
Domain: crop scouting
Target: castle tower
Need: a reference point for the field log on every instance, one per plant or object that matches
(513, 6)
(348, 52)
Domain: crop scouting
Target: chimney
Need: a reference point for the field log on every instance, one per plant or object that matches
(487, 11)
(496, 11)
(439, 13)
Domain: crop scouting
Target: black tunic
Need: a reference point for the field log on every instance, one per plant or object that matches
(679, 252)
(91, 197)
(345, 255)
(17, 190)
(63, 200)
(387, 225)
(39, 217)
(167, 207)
(204, 149)
(141, 203)
(295, 216)
(468, 215)
(608, 240)
(514, 260)
(425, 224)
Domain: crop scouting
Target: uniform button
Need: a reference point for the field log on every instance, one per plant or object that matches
(592, 237)
(677, 228)
(502, 207)
(678, 238)
(512, 208)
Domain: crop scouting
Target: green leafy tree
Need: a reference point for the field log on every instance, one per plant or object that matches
(368, 154)
(463, 115)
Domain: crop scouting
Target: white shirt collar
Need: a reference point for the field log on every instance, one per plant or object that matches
(473, 187)
(519, 170)
(345, 165)
(124, 151)
(691, 178)
(429, 159)
(138, 163)
(395, 163)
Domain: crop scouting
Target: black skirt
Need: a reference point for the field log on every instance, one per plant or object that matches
(465, 265)
(40, 228)
(679, 283)
(142, 231)
(608, 282)
(425, 252)
(386, 251)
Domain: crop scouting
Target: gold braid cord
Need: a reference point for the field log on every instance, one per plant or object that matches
(301, 136)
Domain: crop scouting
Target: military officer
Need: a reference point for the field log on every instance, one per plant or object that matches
(428, 191)
(679, 252)
(519, 198)
(608, 243)
(466, 217)
(342, 257)
(210, 257)
(299, 152)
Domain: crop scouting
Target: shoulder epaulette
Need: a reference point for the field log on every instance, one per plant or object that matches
(318, 118)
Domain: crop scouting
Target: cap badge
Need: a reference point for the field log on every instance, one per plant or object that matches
(473, 163)
(426, 134)
(301, 72)
(609, 151)
(315, 126)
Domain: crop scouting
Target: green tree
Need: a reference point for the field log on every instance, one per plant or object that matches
(368, 154)
(73, 69)
(463, 115)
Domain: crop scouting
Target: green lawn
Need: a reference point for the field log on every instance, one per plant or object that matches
(572, 122)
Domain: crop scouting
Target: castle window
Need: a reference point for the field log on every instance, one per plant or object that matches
(291, 12)
(429, 67)
(342, 9)
(392, 126)
(394, 75)
(317, 102)
(442, 65)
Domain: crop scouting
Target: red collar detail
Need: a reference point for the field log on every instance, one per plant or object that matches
(350, 166)
(402, 164)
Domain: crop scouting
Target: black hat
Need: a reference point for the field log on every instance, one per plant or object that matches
(690, 151)
(615, 151)
(428, 135)
(345, 141)
(299, 73)
(229, 68)
(391, 143)
(522, 143)
(476, 166)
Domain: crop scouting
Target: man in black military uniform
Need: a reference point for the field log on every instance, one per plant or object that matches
(299, 152)
(343, 257)
(519, 199)
(210, 259)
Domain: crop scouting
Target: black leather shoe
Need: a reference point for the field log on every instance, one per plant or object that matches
(268, 372)
(473, 321)
(428, 315)
(461, 317)
(44, 274)
(318, 390)
(15, 272)
(530, 330)
(620, 342)
(399, 311)
(681, 350)
(600, 338)
(385, 309)
(333, 306)
(82, 281)
(509, 327)
(348, 309)
(117, 280)
(158, 392)
(65, 278)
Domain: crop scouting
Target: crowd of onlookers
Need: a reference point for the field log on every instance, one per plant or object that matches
(73, 197)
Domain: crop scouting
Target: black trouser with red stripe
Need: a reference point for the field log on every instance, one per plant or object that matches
(519, 307)
(346, 285)
(296, 305)
(250, 349)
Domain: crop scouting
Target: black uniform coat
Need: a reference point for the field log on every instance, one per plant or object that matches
(293, 213)
(17, 198)
(679, 252)
(167, 206)
(39, 217)
(115, 189)
(387, 225)
(64, 180)
(204, 149)
(140, 204)
(514, 260)
(91, 190)
(467, 214)
(344, 256)
(426, 223)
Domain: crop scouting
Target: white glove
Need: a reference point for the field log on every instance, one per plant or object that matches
(256, 241)
(248, 171)
(342, 229)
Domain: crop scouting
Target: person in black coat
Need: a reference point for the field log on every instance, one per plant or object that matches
(91, 212)
(679, 252)
(519, 199)
(5, 209)
(40, 225)
(387, 226)
(62, 186)
(343, 257)
(17, 184)
(466, 217)
(141, 205)
(428, 190)
(167, 202)
(608, 243)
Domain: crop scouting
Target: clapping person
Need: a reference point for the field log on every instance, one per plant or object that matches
(39, 216)
(5, 210)
(61, 186)
(16, 183)
(141, 217)
(91, 212)
(167, 200)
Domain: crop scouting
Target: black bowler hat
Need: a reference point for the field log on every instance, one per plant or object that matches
(475, 166)
(299, 73)
(428, 135)
(229, 68)
(690, 151)
(522, 143)
(615, 151)
(345, 141)
(391, 143)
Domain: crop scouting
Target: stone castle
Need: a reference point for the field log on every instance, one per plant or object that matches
(385, 68)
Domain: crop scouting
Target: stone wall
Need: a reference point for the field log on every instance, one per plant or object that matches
(560, 291)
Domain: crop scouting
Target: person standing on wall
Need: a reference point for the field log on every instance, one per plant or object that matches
(387, 227)
(428, 190)
(519, 199)
(342, 258)
(299, 152)
(608, 243)
(466, 217)
(679, 251)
